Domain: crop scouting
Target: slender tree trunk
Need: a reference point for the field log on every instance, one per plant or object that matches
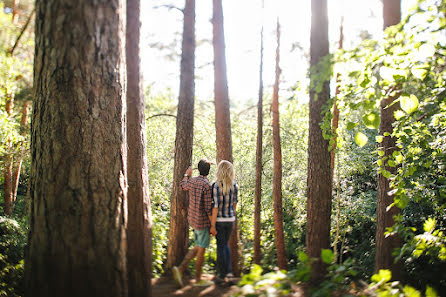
(386, 245)
(179, 227)
(139, 231)
(259, 167)
(23, 131)
(277, 175)
(11, 51)
(8, 161)
(334, 125)
(78, 218)
(222, 115)
(15, 11)
(319, 172)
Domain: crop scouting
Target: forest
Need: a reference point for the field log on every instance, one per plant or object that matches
(337, 136)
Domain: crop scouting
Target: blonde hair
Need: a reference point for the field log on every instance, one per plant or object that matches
(225, 176)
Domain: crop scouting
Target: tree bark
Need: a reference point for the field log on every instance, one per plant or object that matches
(319, 172)
(139, 231)
(385, 218)
(259, 166)
(179, 227)
(78, 217)
(277, 174)
(8, 160)
(222, 114)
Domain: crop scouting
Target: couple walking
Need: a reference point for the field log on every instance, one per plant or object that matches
(211, 211)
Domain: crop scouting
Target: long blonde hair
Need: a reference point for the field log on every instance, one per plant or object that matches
(225, 176)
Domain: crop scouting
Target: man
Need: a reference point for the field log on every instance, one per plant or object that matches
(198, 216)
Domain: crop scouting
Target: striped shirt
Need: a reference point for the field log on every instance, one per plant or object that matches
(200, 204)
(224, 203)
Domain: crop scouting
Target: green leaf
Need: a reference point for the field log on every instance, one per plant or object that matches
(379, 162)
(411, 292)
(379, 138)
(409, 103)
(430, 292)
(429, 225)
(371, 120)
(351, 125)
(380, 152)
(327, 256)
(303, 257)
(386, 174)
(383, 275)
(361, 139)
(419, 72)
(399, 114)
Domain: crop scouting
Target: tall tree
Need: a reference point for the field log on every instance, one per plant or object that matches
(179, 228)
(222, 114)
(334, 127)
(277, 174)
(318, 179)
(385, 218)
(78, 217)
(259, 166)
(139, 231)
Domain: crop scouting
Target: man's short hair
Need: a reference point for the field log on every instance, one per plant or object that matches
(203, 167)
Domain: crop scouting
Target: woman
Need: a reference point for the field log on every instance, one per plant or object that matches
(224, 201)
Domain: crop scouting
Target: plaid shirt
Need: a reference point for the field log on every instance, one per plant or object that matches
(200, 202)
(225, 203)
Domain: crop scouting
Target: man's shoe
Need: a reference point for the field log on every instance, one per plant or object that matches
(177, 276)
(218, 280)
(203, 283)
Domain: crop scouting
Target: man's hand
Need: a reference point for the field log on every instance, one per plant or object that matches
(213, 231)
(189, 171)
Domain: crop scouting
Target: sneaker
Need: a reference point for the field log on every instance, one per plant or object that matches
(177, 276)
(218, 280)
(229, 275)
(203, 283)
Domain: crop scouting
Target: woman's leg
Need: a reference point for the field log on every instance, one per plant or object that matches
(223, 252)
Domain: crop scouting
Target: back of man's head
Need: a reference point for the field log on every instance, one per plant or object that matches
(203, 167)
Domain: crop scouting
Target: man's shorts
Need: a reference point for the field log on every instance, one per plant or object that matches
(202, 238)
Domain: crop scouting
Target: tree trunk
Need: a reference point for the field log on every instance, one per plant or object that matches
(78, 217)
(386, 245)
(259, 166)
(334, 127)
(277, 174)
(15, 11)
(319, 173)
(179, 227)
(222, 115)
(139, 231)
(23, 131)
(7, 175)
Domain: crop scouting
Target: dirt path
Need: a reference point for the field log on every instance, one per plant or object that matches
(167, 287)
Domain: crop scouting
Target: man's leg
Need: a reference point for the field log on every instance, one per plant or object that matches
(189, 256)
(199, 262)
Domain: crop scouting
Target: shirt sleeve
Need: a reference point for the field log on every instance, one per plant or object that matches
(214, 195)
(235, 193)
(185, 184)
(207, 200)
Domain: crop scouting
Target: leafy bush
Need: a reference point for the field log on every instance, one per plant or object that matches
(12, 243)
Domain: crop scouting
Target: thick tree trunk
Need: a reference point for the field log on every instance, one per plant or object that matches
(386, 245)
(259, 165)
(277, 174)
(318, 180)
(78, 217)
(179, 227)
(139, 231)
(222, 115)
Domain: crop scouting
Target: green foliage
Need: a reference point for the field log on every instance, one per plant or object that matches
(382, 286)
(12, 243)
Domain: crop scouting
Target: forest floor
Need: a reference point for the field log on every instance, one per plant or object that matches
(165, 286)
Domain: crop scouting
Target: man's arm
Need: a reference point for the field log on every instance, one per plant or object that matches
(184, 182)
